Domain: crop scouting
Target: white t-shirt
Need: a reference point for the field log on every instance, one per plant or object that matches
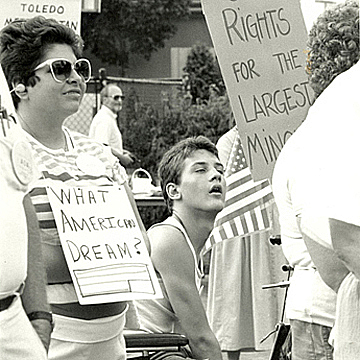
(105, 130)
(309, 298)
(317, 177)
(16, 171)
(334, 122)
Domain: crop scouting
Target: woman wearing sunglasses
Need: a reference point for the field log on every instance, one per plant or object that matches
(43, 66)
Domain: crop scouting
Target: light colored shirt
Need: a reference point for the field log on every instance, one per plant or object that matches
(104, 129)
(294, 180)
(334, 153)
(13, 234)
(329, 180)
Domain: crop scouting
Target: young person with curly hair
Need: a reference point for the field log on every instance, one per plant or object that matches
(333, 44)
(311, 304)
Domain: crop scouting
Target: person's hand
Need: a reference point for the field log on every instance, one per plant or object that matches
(126, 159)
(43, 328)
(130, 154)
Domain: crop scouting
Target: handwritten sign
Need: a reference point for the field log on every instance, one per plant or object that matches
(261, 48)
(103, 244)
(67, 12)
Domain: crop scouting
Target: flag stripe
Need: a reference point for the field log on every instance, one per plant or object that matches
(240, 226)
(236, 180)
(237, 209)
(259, 219)
(250, 225)
(228, 230)
(265, 218)
(233, 186)
(234, 228)
(246, 200)
(258, 191)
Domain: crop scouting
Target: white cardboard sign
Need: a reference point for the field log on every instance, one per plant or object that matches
(261, 48)
(103, 244)
(67, 12)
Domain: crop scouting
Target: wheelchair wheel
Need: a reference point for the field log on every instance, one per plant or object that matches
(169, 355)
(281, 349)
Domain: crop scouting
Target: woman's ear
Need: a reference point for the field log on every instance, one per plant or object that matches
(173, 191)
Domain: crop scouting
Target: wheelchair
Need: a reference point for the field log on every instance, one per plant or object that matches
(281, 348)
(141, 345)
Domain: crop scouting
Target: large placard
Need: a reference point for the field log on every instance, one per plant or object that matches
(261, 48)
(67, 12)
(103, 244)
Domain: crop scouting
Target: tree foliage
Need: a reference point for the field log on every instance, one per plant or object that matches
(131, 26)
(203, 73)
(149, 134)
(201, 109)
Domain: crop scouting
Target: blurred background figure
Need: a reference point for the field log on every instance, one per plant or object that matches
(104, 126)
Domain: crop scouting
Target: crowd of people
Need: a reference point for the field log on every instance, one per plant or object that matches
(315, 184)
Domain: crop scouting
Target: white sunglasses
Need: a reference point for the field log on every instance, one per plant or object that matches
(61, 68)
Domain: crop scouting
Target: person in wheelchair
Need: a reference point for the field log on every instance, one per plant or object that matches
(193, 185)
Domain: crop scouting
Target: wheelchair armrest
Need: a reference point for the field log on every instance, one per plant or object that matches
(149, 340)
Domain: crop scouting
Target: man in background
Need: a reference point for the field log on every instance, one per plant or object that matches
(104, 126)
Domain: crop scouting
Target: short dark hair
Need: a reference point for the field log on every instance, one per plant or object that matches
(171, 165)
(23, 44)
(333, 44)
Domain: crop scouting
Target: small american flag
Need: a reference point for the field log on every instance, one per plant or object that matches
(246, 200)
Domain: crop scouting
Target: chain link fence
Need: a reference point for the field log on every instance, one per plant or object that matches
(81, 120)
(155, 92)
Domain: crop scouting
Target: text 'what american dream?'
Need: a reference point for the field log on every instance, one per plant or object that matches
(103, 241)
(85, 212)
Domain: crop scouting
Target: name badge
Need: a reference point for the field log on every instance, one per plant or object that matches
(22, 162)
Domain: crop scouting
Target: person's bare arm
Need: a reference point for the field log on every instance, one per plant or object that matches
(174, 261)
(34, 296)
(331, 269)
(346, 242)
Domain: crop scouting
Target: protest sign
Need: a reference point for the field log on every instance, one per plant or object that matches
(261, 48)
(103, 244)
(67, 12)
